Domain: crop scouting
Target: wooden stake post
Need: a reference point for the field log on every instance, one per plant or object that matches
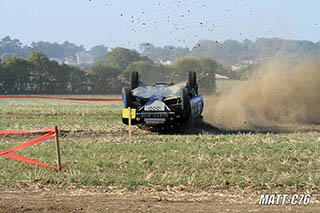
(58, 149)
(130, 139)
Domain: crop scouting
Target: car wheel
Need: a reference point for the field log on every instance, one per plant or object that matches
(134, 79)
(192, 81)
(185, 99)
(126, 97)
(126, 100)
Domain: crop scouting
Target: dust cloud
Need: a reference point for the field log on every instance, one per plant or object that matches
(278, 94)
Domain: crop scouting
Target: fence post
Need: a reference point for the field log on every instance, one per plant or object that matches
(58, 149)
(130, 139)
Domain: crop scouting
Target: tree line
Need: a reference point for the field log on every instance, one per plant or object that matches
(13, 47)
(229, 52)
(39, 75)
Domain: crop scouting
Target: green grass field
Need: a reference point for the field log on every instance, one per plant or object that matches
(94, 143)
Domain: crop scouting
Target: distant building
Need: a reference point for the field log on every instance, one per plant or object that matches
(222, 77)
(246, 62)
(84, 58)
(60, 61)
(236, 67)
(70, 61)
(165, 62)
(241, 65)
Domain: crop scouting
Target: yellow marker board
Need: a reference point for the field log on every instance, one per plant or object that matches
(125, 113)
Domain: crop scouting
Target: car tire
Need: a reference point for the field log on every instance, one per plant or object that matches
(126, 97)
(126, 100)
(192, 81)
(185, 105)
(134, 79)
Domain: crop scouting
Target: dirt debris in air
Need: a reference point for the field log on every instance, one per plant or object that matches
(278, 95)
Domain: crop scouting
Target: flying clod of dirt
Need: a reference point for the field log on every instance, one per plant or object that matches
(277, 95)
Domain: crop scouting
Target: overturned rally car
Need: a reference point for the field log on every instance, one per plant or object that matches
(162, 104)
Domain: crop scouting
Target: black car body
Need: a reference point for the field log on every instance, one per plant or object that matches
(162, 104)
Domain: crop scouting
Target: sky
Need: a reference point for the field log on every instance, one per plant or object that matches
(128, 23)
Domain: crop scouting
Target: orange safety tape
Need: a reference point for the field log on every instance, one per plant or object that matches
(7, 132)
(30, 161)
(91, 99)
(7, 153)
(29, 143)
(68, 99)
(29, 97)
